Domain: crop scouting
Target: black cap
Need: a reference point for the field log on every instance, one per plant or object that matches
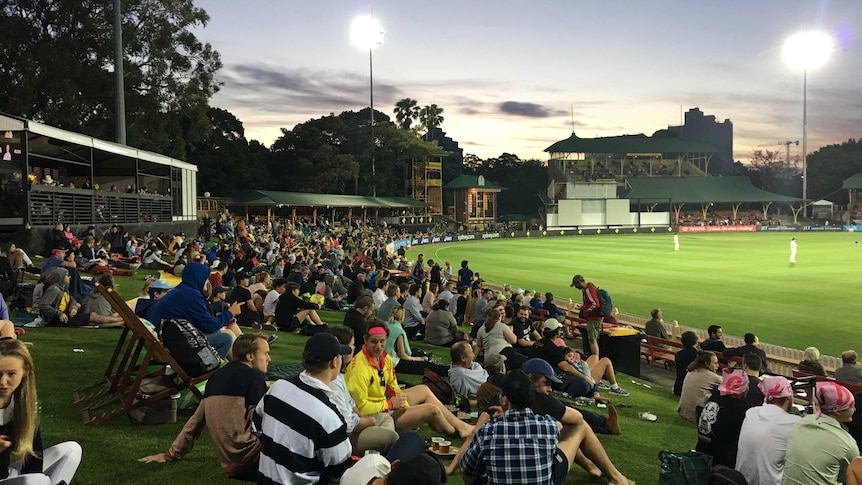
(323, 347)
(575, 279)
(421, 469)
(219, 289)
(242, 276)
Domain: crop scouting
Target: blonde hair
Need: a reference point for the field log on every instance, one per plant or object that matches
(811, 354)
(396, 314)
(25, 412)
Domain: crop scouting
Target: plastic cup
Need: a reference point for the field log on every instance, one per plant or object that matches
(435, 443)
(444, 446)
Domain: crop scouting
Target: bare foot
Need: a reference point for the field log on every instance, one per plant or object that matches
(613, 420)
(602, 399)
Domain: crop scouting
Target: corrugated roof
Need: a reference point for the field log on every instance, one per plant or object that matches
(271, 197)
(699, 190)
(472, 182)
(853, 182)
(628, 144)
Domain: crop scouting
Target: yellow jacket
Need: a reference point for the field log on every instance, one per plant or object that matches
(363, 382)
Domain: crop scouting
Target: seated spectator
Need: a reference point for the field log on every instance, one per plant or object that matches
(810, 363)
(188, 301)
(596, 368)
(752, 344)
(7, 328)
(385, 308)
(357, 287)
(552, 308)
(279, 286)
(523, 329)
(751, 366)
(440, 326)
(56, 305)
(152, 259)
(61, 258)
(95, 309)
(58, 239)
(357, 317)
(765, 431)
(430, 299)
(574, 382)
(494, 336)
(217, 303)
(721, 419)
(303, 436)
(683, 358)
(406, 361)
(484, 298)
(698, 385)
(414, 321)
(819, 450)
(249, 315)
(292, 313)
(373, 384)
(655, 327)
(849, 371)
(155, 290)
(24, 460)
(714, 342)
(465, 374)
(18, 259)
(412, 465)
(231, 395)
(495, 366)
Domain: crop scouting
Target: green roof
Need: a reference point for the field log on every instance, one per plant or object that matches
(472, 182)
(628, 144)
(302, 199)
(853, 182)
(699, 190)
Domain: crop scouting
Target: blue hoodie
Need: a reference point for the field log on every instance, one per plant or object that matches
(187, 301)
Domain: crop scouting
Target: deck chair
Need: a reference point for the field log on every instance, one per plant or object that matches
(138, 355)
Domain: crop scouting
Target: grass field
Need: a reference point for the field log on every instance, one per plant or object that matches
(743, 282)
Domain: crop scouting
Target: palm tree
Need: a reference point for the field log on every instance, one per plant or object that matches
(431, 117)
(406, 111)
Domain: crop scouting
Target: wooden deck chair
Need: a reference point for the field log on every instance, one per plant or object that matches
(139, 354)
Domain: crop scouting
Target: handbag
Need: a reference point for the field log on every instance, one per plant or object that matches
(684, 468)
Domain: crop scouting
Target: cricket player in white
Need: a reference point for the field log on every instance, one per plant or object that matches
(793, 250)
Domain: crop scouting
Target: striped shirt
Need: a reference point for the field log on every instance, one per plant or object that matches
(303, 436)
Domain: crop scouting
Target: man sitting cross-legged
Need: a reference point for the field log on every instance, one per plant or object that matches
(552, 452)
(227, 408)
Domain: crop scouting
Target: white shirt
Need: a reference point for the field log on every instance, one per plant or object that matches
(379, 297)
(763, 444)
(344, 402)
(270, 302)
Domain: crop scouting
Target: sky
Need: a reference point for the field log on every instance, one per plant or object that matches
(516, 76)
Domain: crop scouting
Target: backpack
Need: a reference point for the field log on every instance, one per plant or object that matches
(606, 305)
(439, 387)
(189, 347)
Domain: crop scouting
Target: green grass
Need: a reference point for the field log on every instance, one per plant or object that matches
(742, 282)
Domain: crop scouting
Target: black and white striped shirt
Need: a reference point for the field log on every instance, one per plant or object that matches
(303, 436)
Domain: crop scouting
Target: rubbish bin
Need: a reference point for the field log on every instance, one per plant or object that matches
(623, 350)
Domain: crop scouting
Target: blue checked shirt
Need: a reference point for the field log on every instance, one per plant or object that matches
(516, 448)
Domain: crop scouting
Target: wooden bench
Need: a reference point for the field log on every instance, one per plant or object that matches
(853, 387)
(657, 348)
(138, 355)
(538, 314)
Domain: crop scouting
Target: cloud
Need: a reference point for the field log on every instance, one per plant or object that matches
(530, 110)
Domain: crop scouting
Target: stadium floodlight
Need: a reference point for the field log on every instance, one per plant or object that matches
(367, 33)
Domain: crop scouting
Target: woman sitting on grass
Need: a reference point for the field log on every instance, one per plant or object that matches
(698, 384)
(398, 348)
(22, 460)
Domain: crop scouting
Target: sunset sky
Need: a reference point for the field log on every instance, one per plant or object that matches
(509, 73)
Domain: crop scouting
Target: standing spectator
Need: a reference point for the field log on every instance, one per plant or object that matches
(699, 382)
(465, 275)
(683, 358)
(303, 436)
(810, 363)
(447, 271)
(418, 271)
(434, 273)
(849, 371)
(819, 449)
(764, 434)
(589, 311)
(713, 342)
(721, 419)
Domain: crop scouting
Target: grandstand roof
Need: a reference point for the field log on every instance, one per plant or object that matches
(628, 144)
(699, 190)
(270, 197)
(472, 182)
(854, 182)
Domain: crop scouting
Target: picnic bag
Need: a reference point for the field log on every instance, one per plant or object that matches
(438, 386)
(684, 468)
(189, 347)
(156, 412)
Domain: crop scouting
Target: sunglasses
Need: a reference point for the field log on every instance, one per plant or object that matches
(381, 378)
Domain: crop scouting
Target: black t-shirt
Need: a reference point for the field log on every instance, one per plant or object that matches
(547, 350)
(522, 330)
(239, 294)
(718, 428)
(545, 404)
(237, 379)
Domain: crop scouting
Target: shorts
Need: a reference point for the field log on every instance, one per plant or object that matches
(560, 467)
(594, 328)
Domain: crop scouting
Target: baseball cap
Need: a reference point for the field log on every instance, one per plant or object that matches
(219, 289)
(58, 251)
(494, 361)
(420, 469)
(576, 279)
(161, 285)
(242, 276)
(323, 347)
(552, 324)
(501, 297)
(539, 366)
(76, 241)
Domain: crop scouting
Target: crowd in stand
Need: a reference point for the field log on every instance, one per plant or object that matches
(725, 218)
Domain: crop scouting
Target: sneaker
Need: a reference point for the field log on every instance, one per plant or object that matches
(256, 326)
(619, 391)
(269, 326)
(604, 386)
(272, 338)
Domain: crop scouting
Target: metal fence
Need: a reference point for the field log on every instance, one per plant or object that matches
(51, 205)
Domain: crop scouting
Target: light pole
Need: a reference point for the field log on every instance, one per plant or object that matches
(807, 51)
(367, 33)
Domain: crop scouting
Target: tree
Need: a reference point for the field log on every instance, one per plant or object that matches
(406, 112)
(431, 117)
(56, 66)
(773, 174)
(829, 166)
